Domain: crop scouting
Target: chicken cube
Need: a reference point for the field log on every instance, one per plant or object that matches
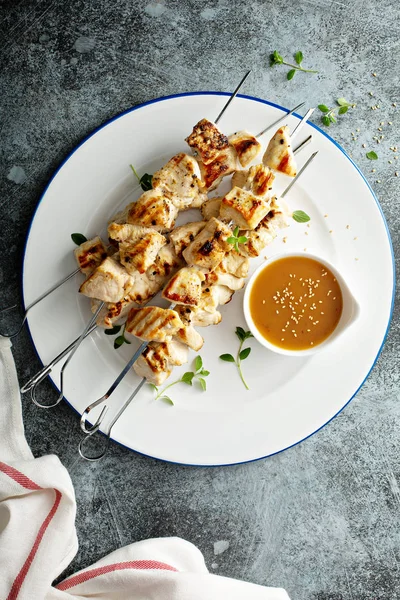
(210, 208)
(182, 236)
(185, 286)
(235, 264)
(213, 296)
(138, 246)
(243, 208)
(246, 145)
(157, 361)
(222, 166)
(180, 180)
(207, 141)
(109, 282)
(265, 233)
(220, 278)
(153, 324)
(198, 317)
(279, 154)
(190, 337)
(153, 209)
(166, 263)
(90, 255)
(258, 180)
(209, 246)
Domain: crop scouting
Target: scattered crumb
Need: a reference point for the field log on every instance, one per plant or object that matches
(355, 238)
(390, 123)
(325, 216)
(397, 173)
(305, 249)
(378, 181)
(308, 224)
(347, 226)
(373, 170)
(364, 145)
(331, 231)
(356, 259)
(284, 240)
(394, 104)
(373, 74)
(220, 547)
(306, 233)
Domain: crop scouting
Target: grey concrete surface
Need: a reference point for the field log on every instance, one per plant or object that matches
(321, 519)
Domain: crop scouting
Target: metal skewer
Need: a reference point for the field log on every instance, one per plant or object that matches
(92, 429)
(42, 297)
(280, 120)
(301, 123)
(83, 443)
(232, 97)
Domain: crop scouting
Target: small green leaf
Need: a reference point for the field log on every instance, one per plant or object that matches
(332, 118)
(167, 400)
(242, 239)
(113, 331)
(204, 373)
(240, 332)
(323, 108)
(118, 342)
(236, 231)
(326, 121)
(155, 388)
(198, 363)
(275, 58)
(372, 155)
(187, 377)
(146, 182)
(343, 102)
(203, 384)
(244, 353)
(231, 240)
(135, 173)
(126, 341)
(300, 216)
(342, 110)
(78, 238)
(291, 74)
(248, 335)
(227, 357)
(298, 57)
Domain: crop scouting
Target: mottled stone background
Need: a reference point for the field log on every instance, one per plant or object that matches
(321, 519)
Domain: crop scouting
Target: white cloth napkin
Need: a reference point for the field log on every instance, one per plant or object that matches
(38, 538)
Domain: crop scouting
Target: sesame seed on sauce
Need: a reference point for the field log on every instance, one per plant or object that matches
(289, 290)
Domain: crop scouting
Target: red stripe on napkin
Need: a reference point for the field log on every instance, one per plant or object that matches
(27, 483)
(136, 564)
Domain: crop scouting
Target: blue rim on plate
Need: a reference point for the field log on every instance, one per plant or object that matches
(278, 106)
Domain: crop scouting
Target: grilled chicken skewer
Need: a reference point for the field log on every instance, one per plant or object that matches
(110, 271)
(218, 155)
(166, 264)
(146, 360)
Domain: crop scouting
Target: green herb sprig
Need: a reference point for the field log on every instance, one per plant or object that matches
(372, 155)
(329, 114)
(189, 377)
(277, 59)
(300, 216)
(236, 239)
(121, 339)
(146, 180)
(242, 353)
(78, 238)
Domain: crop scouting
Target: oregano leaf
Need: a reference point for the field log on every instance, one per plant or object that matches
(227, 357)
(300, 216)
(78, 238)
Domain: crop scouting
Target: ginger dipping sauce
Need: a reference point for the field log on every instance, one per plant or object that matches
(295, 302)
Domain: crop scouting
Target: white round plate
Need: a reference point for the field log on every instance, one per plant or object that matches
(289, 398)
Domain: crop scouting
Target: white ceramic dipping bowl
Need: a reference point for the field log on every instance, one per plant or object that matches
(349, 314)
